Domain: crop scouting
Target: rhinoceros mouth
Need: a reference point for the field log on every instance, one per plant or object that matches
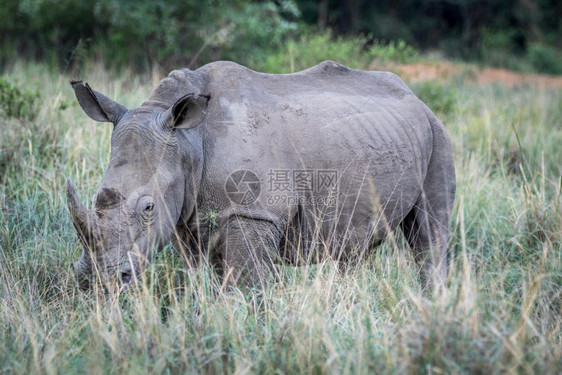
(125, 280)
(84, 283)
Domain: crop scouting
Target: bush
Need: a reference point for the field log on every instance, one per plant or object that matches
(496, 48)
(354, 52)
(190, 33)
(144, 33)
(15, 103)
(311, 49)
(545, 59)
(499, 48)
(399, 52)
(439, 98)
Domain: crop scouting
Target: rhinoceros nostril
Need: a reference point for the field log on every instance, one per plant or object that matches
(126, 277)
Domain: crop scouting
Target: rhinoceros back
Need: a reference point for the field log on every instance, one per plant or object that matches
(366, 127)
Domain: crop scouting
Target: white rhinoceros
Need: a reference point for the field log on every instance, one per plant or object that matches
(250, 170)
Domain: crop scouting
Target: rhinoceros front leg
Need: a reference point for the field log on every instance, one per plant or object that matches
(248, 248)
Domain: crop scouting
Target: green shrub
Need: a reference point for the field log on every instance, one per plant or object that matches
(191, 33)
(311, 49)
(545, 59)
(495, 47)
(499, 48)
(15, 103)
(143, 34)
(440, 98)
(399, 52)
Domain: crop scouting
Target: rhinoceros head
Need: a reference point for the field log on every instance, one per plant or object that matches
(146, 186)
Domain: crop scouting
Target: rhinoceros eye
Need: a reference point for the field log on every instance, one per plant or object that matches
(145, 206)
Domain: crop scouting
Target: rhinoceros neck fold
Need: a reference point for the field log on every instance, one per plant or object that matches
(176, 85)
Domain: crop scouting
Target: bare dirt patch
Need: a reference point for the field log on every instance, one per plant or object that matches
(444, 71)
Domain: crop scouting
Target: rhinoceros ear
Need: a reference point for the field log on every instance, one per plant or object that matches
(98, 106)
(188, 112)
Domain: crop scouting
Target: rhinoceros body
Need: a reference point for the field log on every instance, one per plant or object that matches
(250, 169)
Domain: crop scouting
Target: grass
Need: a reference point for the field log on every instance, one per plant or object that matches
(499, 314)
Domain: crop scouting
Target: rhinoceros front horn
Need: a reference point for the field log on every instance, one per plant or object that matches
(82, 219)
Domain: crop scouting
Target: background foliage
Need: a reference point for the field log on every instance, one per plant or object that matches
(522, 34)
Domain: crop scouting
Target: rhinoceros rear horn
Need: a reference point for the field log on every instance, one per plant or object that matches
(81, 217)
(188, 112)
(107, 198)
(98, 106)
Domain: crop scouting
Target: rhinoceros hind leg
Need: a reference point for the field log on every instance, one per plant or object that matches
(428, 241)
(426, 226)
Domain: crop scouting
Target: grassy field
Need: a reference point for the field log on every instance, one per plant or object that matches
(501, 311)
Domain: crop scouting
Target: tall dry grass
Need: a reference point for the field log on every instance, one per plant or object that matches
(499, 314)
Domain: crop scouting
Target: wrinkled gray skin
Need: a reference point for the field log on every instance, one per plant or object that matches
(171, 158)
